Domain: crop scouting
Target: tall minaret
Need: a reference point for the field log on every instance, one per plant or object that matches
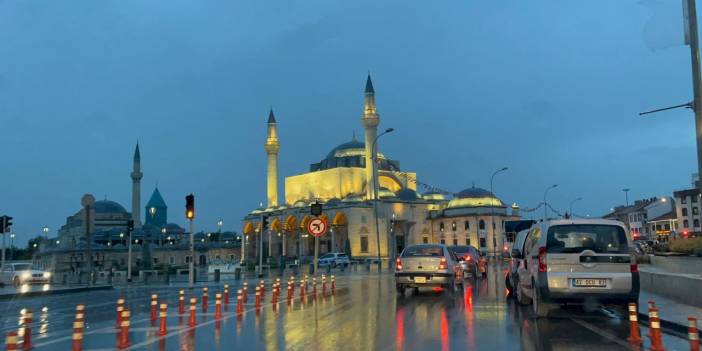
(370, 121)
(272, 146)
(136, 188)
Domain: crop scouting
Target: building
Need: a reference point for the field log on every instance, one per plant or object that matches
(688, 211)
(163, 243)
(647, 218)
(344, 181)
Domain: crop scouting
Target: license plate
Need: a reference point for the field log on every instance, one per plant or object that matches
(597, 283)
(420, 279)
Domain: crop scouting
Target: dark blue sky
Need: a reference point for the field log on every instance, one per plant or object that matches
(549, 88)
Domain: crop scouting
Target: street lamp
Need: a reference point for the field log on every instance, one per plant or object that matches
(492, 210)
(160, 239)
(12, 246)
(546, 203)
(376, 186)
(571, 205)
(46, 231)
(220, 224)
(626, 195)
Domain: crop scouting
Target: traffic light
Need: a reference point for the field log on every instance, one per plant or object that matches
(190, 206)
(130, 226)
(264, 223)
(316, 209)
(6, 224)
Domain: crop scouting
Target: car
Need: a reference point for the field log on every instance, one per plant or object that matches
(516, 262)
(468, 256)
(17, 274)
(427, 265)
(578, 261)
(334, 259)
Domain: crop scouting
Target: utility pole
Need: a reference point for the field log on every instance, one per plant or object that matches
(190, 215)
(87, 201)
(130, 229)
(626, 195)
(697, 91)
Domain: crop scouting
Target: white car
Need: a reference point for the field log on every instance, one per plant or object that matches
(17, 274)
(334, 259)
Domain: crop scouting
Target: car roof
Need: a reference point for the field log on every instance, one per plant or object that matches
(553, 222)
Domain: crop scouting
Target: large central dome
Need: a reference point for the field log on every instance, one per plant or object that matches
(475, 197)
(352, 154)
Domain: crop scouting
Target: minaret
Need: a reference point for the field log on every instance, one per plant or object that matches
(272, 146)
(370, 121)
(136, 188)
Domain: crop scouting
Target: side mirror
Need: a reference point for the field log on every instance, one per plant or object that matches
(516, 253)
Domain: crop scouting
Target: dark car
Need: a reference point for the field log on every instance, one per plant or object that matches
(468, 256)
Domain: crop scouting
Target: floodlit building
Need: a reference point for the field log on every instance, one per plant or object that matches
(344, 181)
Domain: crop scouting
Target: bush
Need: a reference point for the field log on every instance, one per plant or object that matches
(686, 246)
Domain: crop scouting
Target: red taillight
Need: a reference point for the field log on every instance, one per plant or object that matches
(504, 248)
(442, 263)
(542, 259)
(634, 267)
(468, 258)
(398, 264)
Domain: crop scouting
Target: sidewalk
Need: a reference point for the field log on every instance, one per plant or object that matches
(669, 310)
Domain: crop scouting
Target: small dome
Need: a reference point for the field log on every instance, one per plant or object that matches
(258, 210)
(300, 203)
(407, 194)
(333, 202)
(107, 206)
(434, 196)
(475, 197)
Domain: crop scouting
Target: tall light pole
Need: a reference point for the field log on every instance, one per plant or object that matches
(571, 205)
(376, 187)
(626, 195)
(492, 209)
(546, 203)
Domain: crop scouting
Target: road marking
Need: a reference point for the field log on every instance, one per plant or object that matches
(605, 334)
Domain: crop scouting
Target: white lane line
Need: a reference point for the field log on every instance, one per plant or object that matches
(605, 334)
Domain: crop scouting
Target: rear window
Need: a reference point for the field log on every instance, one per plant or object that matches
(415, 251)
(459, 249)
(579, 237)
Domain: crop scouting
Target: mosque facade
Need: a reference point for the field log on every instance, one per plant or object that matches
(344, 181)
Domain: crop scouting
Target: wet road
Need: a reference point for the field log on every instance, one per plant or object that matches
(364, 313)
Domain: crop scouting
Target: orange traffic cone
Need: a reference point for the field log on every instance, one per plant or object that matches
(193, 306)
(634, 333)
(27, 325)
(693, 334)
(656, 338)
(123, 339)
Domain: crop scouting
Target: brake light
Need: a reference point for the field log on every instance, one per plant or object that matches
(504, 248)
(468, 258)
(442, 263)
(634, 267)
(398, 264)
(542, 259)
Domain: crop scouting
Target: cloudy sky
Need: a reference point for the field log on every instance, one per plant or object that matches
(551, 89)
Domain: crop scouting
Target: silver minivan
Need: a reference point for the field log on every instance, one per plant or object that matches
(577, 261)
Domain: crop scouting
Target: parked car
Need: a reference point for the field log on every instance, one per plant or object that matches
(23, 273)
(516, 262)
(334, 259)
(468, 257)
(427, 265)
(577, 261)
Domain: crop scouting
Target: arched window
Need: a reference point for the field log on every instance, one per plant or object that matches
(481, 225)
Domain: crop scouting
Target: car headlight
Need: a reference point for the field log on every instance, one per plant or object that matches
(26, 275)
(47, 275)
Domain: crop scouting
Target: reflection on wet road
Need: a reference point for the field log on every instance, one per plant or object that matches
(365, 313)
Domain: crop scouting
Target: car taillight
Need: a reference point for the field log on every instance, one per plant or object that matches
(542, 259)
(442, 263)
(504, 248)
(398, 264)
(468, 258)
(634, 267)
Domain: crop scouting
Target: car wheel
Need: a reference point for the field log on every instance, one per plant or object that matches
(539, 307)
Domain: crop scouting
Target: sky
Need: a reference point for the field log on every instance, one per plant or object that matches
(550, 89)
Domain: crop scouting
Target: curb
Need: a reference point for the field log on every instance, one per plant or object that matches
(677, 329)
(53, 292)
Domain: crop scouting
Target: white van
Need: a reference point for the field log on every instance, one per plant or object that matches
(578, 261)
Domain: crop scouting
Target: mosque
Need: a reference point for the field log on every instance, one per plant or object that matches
(343, 181)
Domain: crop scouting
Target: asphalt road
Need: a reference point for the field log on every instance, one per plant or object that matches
(364, 313)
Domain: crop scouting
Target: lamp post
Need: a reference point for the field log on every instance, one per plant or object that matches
(376, 186)
(492, 210)
(220, 224)
(45, 230)
(12, 246)
(626, 195)
(571, 205)
(546, 203)
(87, 201)
(160, 239)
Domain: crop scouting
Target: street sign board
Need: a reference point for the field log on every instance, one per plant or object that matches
(317, 226)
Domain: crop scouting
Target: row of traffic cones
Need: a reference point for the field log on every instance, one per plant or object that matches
(654, 331)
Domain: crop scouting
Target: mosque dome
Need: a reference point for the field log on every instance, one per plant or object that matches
(407, 194)
(352, 154)
(107, 206)
(475, 197)
(432, 195)
(333, 202)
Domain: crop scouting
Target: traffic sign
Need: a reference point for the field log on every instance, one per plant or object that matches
(317, 226)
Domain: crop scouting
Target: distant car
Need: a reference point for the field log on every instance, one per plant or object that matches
(516, 262)
(427, 265)
(578, 261)
(17, 274)
(468, 256)
(334, 259)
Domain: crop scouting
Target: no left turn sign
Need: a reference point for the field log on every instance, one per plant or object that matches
(317, 227)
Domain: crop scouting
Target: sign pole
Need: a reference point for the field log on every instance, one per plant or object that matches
(316, 253)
